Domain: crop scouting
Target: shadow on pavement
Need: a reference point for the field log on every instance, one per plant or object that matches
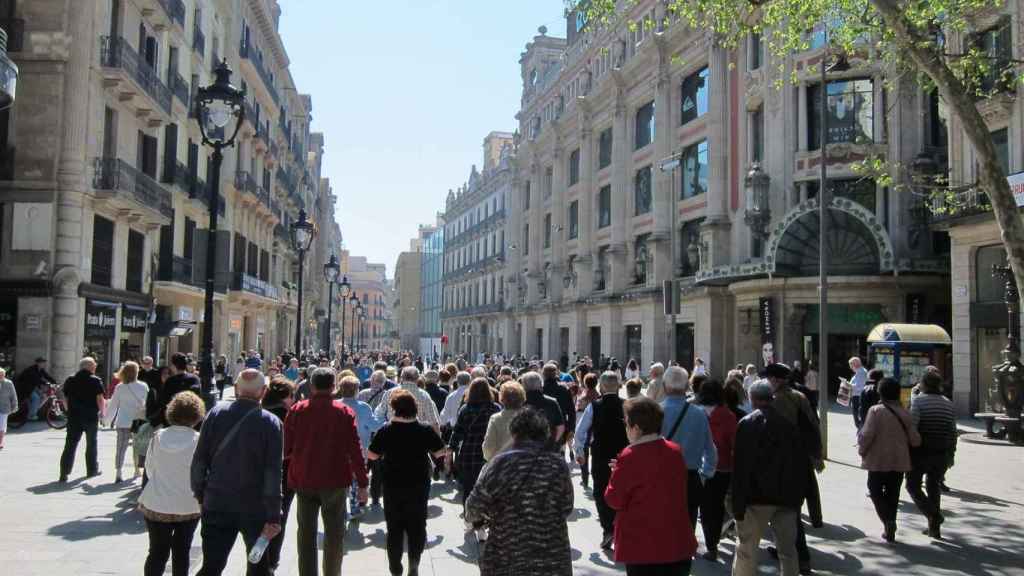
(125, 519)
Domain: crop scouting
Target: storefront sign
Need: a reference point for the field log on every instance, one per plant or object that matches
(767, 314)
(235, 324)
(33, 322)
(134, 319)
(1016, 182)
(100, 319)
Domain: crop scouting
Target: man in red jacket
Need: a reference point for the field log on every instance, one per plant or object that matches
(322, 443)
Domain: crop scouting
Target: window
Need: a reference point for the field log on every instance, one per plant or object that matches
(642, 191)
(239, 254)
(526, 239)
(644, 125)
(757, 135)
(995, 44)
(641, 257)
(989, 288)
(574, 167)
(549, 181)
(604, 148)
(850, 112)
(604, 206)
(689, 247)
(936, 133)
(695, 170)
(102, 251)
(574, 219)
(547, 230)
(999, 138)
(147, 155)
(133, 268)
(755, 53)
(253, 257)
(695, 95)
(526, 196)
(190, 232)
(601, 269)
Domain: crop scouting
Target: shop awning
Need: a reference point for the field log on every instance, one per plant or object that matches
(910, 334)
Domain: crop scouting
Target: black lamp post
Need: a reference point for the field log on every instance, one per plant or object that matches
(331, 270)
(344, 288)
(354, 301)
(217, 107)
(362, 328)
(302, 238)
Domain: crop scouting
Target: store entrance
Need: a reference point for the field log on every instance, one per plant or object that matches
(841, 347)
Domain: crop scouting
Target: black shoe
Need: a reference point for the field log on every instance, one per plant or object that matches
(943, 487)
(817, 523)
(63, 479)
(889, 534)
(805, 569)
(94, 474)
(933, 529)
(710, 556)
(773, 552)
(606, 541)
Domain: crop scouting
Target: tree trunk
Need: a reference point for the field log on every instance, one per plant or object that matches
(992, 179)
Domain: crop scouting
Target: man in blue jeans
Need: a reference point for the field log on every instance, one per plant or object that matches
(236, 476)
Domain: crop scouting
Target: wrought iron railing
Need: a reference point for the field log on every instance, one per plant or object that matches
(944, 207)
(253, 285)
(118, 176)
(181, 89)
(175, 10)
(247, 53)
(117, 53)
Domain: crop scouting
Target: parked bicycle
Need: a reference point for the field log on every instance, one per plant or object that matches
(53, 409)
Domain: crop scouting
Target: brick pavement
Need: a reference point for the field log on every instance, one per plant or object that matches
(89, 527)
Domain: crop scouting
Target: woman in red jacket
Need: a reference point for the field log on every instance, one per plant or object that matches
(723, 432)
(653, 535)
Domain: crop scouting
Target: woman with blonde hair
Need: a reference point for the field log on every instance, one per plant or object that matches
(126, 412)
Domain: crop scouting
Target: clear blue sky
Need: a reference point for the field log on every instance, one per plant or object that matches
(405, 92)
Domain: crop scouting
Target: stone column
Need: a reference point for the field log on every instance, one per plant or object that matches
(801, 116)
(68, 325)
(716, 225)
(585, 258)
(664, 201)
(621, 268)
(559, 230)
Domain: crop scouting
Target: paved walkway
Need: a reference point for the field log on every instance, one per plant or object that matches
(90, 527)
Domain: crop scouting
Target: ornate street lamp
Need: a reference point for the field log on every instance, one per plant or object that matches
(219, 112)
(302, 238)
(344, 288)
(331, 271)
(758, 211)
(362, 328)
(1010, 373)
(356, 307)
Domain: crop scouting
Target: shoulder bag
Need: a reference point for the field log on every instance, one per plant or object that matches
(679, 420)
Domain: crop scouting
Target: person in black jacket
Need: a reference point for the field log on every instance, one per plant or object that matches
(277, 400)
(84, 393)
(28, 381)
(768, 482)
(553, 387)
(179, 381)
(603, 428)
(870, 396)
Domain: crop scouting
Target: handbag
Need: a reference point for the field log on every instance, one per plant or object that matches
(845, 392)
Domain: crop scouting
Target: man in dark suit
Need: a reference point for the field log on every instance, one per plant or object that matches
(84, 393)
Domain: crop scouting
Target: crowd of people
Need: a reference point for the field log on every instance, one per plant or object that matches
(660, 455)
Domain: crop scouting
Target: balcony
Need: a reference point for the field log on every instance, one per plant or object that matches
(480, 310)
(198, 42)
(123, 181)
(253, 285)
(15, 29)
(130, 75)
(180, 270)
(248, 54)
(164, 12)
(181, 89)
(947, 209)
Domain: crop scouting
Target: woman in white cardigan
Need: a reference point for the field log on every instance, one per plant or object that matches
(167, 503)
(127, 405)
(8, 403)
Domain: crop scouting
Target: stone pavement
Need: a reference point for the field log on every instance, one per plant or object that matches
(90, 527)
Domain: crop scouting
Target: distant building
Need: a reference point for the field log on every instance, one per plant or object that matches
(431, 289)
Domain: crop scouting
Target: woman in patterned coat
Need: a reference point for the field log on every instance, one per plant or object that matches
(467, 440)
(526, 496)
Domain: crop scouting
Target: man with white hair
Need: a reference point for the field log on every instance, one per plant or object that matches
(691, 430)
(450, 413)
(84, 393)
(535, 398)
(426, 411)
(236, 475)
(602, 426)
(375, 392)
(656, 387)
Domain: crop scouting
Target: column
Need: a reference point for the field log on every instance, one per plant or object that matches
(559, 225)
(801, 117)
(619, 274)
(68, 256)
(585, 258)
(716, 226)
(664, 203)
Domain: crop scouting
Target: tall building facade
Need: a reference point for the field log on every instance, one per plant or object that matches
(105, 182)
(603, 218)
(408, 270)
(431, 289)
(370, 285)
(475, 249)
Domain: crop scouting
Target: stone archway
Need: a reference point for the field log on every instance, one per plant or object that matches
(857, 242)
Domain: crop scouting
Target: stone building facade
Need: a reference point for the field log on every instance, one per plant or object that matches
(408, 270)
(105, 183)
(603, 219)
(370, 286)
(476, 244)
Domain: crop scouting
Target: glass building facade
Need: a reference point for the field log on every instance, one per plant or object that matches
(431, 293)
